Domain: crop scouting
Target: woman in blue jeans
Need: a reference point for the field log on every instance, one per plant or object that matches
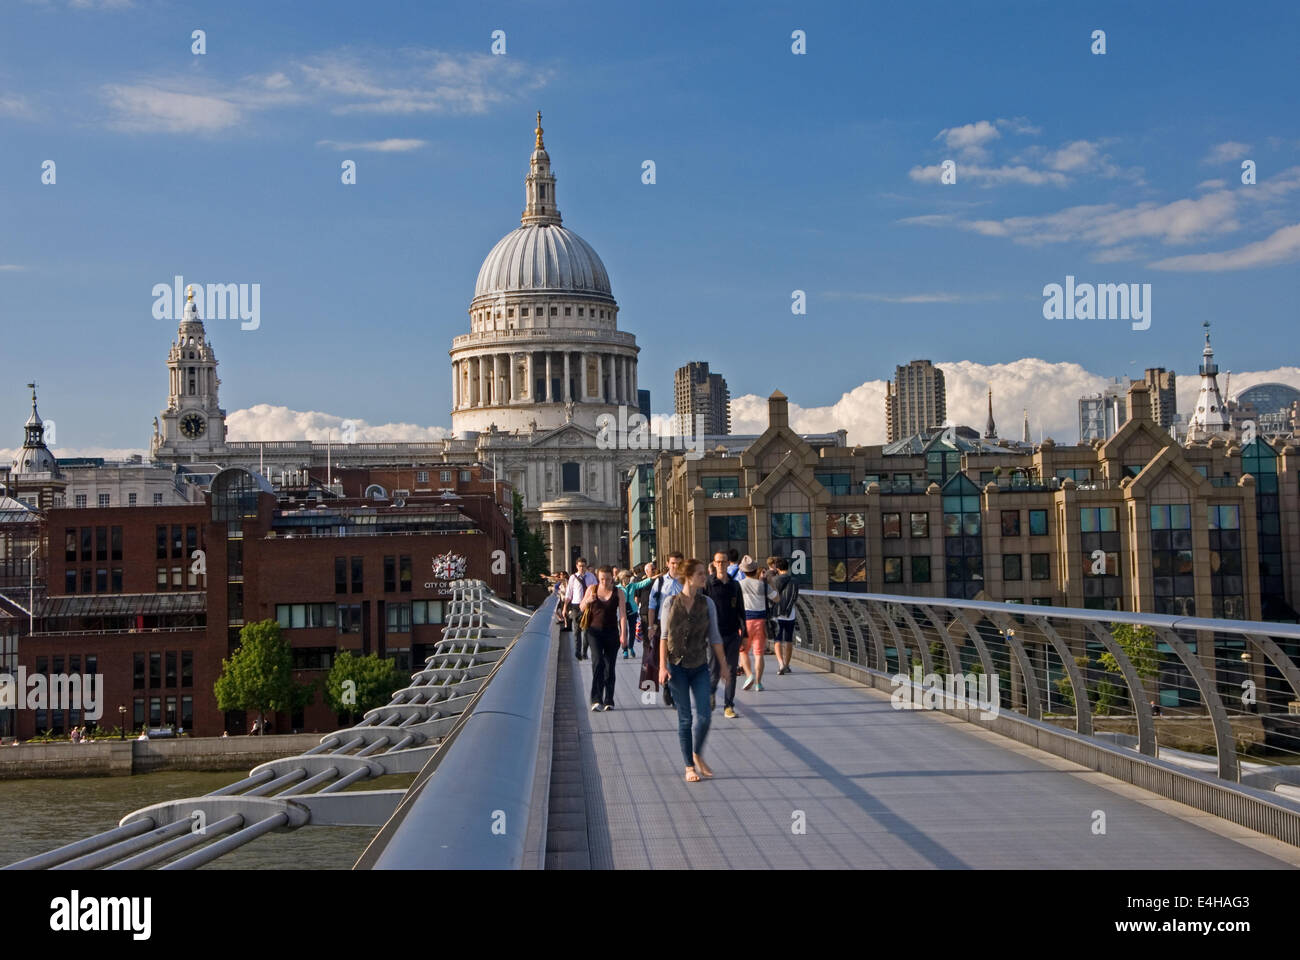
(690, 623)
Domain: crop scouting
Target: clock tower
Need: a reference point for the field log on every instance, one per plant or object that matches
(193, 427)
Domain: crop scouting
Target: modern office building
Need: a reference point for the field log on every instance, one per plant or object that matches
(1163, 385)
(701, 397)
(1102, 414)
(916, 401)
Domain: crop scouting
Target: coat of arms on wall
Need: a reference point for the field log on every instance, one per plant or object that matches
(449, 566)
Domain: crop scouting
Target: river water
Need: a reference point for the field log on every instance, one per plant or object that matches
(39, 815)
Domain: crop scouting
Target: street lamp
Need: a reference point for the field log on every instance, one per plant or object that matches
(121, 722)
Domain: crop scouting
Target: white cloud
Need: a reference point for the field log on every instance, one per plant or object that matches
(265, 421)
(277, 81)
(1211, 184)
(1282, 246)
(1049, 391)
(1116, 254)
(1020, 125)
(1226, 152)
(150, 108)
(14, 105)
(12, 267)
(992, 176)
(1079, 155)
(970, 139)
(391, 145)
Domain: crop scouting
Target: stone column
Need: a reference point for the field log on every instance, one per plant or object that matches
(484, 382)
(531, 385)
(455, 385)
(586, 545)
(620, 369)
(546, 394)
(565, 392)
(568, 545)
(582, 378)
(472, 399)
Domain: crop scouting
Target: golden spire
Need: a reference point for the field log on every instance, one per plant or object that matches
(539, 131)
(189, 293)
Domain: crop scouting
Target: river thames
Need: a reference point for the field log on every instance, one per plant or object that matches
(39, 815)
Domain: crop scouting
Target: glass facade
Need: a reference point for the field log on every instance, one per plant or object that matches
(963, 540)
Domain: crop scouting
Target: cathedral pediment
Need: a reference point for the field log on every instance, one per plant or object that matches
(569, 435)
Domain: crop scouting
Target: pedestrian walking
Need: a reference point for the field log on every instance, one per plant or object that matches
(667, 584)
(787, 588)
(607, 626)
(560, 588)
(689, 627)
(758, 594)
(578, 584)
(730, 606)
(633, 615)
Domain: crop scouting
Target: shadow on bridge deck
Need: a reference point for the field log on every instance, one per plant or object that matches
(877, 788)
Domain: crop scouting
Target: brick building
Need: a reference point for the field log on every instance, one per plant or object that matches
(153, 598)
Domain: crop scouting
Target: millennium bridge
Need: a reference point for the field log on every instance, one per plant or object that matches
(911, 733)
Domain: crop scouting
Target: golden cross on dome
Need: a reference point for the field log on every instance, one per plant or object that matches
(539, 131)
(189, 293)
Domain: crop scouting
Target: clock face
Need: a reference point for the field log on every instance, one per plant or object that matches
(192, 425)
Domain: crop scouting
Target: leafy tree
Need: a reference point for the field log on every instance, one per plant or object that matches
(533, 562)
(1063, 685)
(375, 682)
(1139, 645)
(259, 674)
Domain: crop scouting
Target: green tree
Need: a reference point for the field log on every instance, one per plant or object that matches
(259, 674)
(1063, 685)
(532, 546)
(374, 680)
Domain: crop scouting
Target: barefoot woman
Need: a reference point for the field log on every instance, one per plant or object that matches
(690, 624)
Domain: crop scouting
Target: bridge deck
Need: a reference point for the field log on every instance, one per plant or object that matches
(878, 788)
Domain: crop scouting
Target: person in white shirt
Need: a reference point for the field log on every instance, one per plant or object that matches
(578, 584)
(757, 594)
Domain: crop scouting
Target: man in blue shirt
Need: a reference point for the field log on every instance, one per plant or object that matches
(578, 584)
(666, 586)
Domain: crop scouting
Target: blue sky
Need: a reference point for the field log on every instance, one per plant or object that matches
(775, 172)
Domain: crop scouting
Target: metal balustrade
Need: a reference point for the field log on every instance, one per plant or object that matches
(1219, 696)
(409, 735)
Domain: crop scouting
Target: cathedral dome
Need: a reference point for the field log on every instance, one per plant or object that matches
(542, 258)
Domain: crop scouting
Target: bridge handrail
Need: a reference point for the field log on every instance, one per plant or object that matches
(475, 807)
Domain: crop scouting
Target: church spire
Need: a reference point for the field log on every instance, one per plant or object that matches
(990, 428)
(1025, 434)
(1211, 416)
(539, 187)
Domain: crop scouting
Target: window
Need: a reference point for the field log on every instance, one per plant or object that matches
(170, 665)
(130, 499)
(187, 668)
(1078, 475)
(87, 541)
(340, 575)
(137, 715)
(70, 544)
(297, 616)
(137, 671)
(162, 578)
(101, 580)
(791, 532)
(187, 712)
(893, 569)
(1097, 520)
(568, 311)
(191, 541)
(178, 542)
(155, 711)
(554, 311)
(720, 487)
(313, 658)
(116, 584)
(920, 526)
(1172, 558)
(103, 500)
(1040, 601)
(70, 581)
(1039, 566)
(837, 484)
(571, 478)
(444, 476)
(422, 476)
(177, 577)
(580, 308)
(404, 573)
(399, 618)
(1011, 566)
(101, 543)
(728, 533)
(1100, 543)
(426, 611)
(891, 525)
(160, 534)
(86, 579)
(390, 574)
(920, 569)
(1038, 523)
(846, 550)
(1010, 523)
(349, 617)
(115, 543)
(465, 476)
(963, 542)
(157, 499)
(358, 578)
(79, 501)
(155, 671)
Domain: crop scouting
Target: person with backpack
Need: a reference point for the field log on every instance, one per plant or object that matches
(730, 606)
(665, 585)
(787, 588)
